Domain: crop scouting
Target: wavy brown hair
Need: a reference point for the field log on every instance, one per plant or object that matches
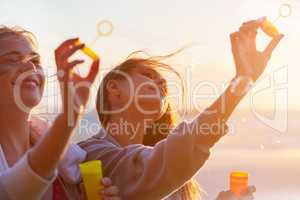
(155, 133)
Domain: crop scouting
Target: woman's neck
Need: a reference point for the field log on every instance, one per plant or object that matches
(14, 134)
(126, 129)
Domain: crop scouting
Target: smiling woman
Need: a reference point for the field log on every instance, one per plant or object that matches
(24, 160)
(18, 60)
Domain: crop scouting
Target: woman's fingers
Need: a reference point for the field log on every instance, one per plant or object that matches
(248, 32)
(234, 37)
(82, 191)
(65, 45)
(272, 45)
(62, 73)
(62, 54)
(67, 49)
(106, 182)
(249, 22)
(72, 64)
(71, 51)
(226, 195)
(252, 25)
(111, 198)
(249, 191)
(93, 71)
(110, 191)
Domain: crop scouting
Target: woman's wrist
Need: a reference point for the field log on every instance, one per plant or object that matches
(67, 120)
(241, 84)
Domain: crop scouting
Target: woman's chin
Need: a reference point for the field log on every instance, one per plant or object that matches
(30, 101)
(153, 108)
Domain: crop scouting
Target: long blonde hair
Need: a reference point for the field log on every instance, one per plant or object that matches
(154, 134)
(6, 31)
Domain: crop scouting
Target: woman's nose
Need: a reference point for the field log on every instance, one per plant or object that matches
(28, 66)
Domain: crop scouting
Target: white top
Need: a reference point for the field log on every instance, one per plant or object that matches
(20, 181)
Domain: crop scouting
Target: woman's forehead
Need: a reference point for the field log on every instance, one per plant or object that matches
(16, 44)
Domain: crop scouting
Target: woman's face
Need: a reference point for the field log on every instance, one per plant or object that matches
(144, 93)
(21, 75)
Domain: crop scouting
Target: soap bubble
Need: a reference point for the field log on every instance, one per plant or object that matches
(104, 28)
(285, 10)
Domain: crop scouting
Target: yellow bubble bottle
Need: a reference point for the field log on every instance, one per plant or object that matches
(269, 28)
(91, 173)
(238, 182)
(88, 51)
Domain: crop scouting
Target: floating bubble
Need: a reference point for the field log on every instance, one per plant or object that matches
(285, 10)
(104, 28)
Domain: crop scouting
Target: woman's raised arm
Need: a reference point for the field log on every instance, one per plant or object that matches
(45, 156)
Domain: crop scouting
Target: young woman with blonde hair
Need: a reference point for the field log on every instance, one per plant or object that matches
(28, 162)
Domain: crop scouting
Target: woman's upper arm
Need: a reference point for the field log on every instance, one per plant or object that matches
(21, 182)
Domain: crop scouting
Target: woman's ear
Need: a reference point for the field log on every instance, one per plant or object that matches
(113, 88)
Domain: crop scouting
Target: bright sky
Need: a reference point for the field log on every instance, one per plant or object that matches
(161, 27)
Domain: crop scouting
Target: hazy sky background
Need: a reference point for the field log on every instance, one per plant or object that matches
(161, 27)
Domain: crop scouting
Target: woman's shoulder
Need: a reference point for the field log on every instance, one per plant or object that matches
(102, 138)
(38, 127)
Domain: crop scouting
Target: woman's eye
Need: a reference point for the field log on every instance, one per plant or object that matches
(12, 59)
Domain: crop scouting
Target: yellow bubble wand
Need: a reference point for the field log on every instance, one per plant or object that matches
(269, 28)
(91, 173)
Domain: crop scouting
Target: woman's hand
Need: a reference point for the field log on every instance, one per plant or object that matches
(75, 89)
(246, 195)
(109, 192)
(75, 93)
(248, 61)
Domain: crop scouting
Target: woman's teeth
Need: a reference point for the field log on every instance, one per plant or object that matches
(30, 83)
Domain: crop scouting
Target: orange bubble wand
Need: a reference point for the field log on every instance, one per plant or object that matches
(238, 182)
(269, 28)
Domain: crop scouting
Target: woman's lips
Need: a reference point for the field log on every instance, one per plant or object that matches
(29, 84)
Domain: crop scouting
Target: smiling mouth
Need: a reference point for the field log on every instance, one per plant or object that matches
(29, 82)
